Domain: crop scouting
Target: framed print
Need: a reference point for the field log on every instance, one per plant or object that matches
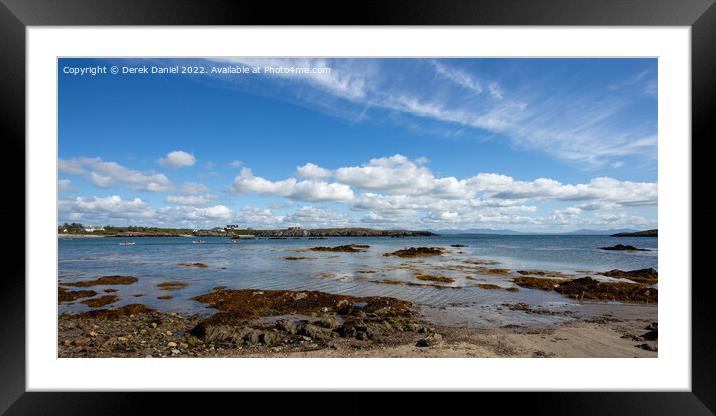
(425, 194)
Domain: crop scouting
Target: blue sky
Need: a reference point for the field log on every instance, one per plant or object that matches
(525, 144)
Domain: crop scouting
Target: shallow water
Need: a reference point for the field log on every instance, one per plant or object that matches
(260, 264)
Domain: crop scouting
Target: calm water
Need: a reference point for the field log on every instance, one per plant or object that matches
(260, 264)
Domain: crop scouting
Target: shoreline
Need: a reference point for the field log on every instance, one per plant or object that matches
(136, 336)
(316, 324)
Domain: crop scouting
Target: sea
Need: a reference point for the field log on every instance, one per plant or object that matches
(262, 264)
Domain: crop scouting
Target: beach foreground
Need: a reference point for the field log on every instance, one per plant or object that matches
(316, 324)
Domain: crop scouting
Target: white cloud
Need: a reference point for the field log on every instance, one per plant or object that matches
(459, 77)
(64, 185)
(177, 159)
(307, 190)
(394, 191)
(585, 128)
(192, 188)
(189, 200)
(105, 210)
(316, 218)
(341, 80)
(210, 213)
(310, 170)
(495, 90)
(108, 174)
(236, 164)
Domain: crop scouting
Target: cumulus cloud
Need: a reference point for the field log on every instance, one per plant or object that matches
(310, 170)
(105, 209)
(305, 190)
(177, 159)
(108, 174)
(393, 191)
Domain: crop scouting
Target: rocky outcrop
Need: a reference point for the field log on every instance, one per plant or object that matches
(622, 247)
(351, 248)
(322, 317)
(588, 288)
(646, 276)
(104, 280)
(417, 252)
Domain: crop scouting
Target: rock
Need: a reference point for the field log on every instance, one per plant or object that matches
(647, 276)
(431, 340)
(417, 252)
(653, 333)
(175, 351)
(351, 248)
(316, 332)
(154, 324)
(328, 322)
(647, 347)
(251, 337)
(622, 247)
(286, 326)
(171, 344)
(588, 288)
(270, 338)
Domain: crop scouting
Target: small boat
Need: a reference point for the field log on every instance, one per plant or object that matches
(127, 243)
(197, 242)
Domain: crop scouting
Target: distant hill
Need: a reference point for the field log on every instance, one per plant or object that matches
(481, 231)
(646, 233)
(600, 232)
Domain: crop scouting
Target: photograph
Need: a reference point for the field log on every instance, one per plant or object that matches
(349, 207)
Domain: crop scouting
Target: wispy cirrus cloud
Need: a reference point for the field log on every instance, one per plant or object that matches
(585, 128)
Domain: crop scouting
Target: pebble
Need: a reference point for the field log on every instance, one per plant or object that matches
(175, 351)
(172, 344)
(169, 333)
(184, 345)
(93, 334)
(154, 324)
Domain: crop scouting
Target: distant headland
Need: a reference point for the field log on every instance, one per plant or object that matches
(646, 233)
(231, 231)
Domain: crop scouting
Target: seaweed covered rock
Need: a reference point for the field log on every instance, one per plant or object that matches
(417, 252)
(101, 301)
(127, 310)
(104, 280)
(622, 247)
(316, 316)
(350, 248)
(588, 288)
(64, 295)
(646, 276)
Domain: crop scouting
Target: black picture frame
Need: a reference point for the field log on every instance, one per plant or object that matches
(16, 15)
